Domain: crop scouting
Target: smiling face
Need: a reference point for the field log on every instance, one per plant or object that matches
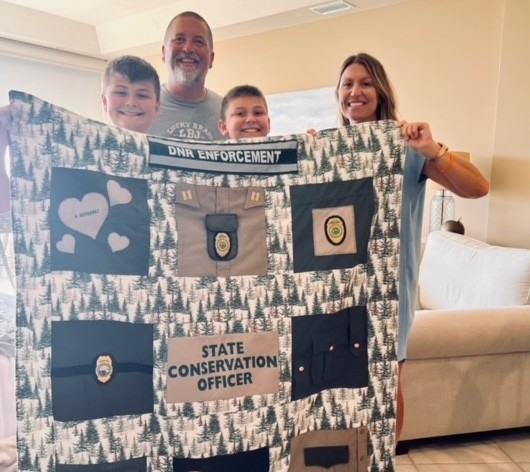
(357, 96)
(245, 117)
(130, 105)
(187, 51)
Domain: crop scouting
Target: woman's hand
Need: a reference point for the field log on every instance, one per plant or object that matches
(452, 172)
(419, 137)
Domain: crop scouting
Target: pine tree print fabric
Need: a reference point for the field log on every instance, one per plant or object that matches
(190, 306)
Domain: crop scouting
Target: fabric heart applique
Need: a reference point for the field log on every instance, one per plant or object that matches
(85, 216)
(117, 242)
(66, 244)
(117, 194)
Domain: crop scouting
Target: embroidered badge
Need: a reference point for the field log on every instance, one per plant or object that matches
(222, 245)
(104, 368)
(335, 230)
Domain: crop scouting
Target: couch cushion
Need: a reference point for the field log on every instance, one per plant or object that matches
(440, 334)
(461, 272)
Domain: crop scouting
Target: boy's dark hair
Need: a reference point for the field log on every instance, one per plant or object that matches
(240, 91)
(135, 69)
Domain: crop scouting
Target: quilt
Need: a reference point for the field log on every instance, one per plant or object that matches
(193, 306)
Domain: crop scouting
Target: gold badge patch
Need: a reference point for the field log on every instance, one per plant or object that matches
(222, 245)
(104, 368)
(335, 230)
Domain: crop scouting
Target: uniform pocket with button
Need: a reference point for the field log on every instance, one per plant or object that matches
(329, 351)
(221, 231)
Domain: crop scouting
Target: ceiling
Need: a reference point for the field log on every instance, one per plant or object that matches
(104, 29)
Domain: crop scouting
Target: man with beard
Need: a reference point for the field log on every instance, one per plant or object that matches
(187, 108)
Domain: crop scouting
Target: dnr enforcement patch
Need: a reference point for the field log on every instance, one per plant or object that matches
(269, 157)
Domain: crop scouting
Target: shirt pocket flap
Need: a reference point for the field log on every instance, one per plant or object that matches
(226, 222)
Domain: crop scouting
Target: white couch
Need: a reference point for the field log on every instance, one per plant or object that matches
(468, 358)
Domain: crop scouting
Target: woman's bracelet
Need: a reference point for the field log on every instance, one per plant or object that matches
(442, 151)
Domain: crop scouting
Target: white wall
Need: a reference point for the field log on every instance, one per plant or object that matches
(75, 89)
(509, 222)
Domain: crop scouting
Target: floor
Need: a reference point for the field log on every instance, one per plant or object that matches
(505, 451)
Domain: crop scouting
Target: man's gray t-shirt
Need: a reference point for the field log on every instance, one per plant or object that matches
(186, 120)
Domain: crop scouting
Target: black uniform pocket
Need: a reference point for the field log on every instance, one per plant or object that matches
(329, 351)
(221, 236)
(95, 367)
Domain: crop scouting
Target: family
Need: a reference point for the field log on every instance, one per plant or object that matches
(133, 98)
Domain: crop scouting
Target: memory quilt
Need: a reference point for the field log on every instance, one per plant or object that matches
(204, 306)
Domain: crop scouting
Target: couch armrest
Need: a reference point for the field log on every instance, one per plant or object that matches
(469, 332)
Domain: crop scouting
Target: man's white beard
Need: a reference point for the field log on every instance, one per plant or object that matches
(186, 77)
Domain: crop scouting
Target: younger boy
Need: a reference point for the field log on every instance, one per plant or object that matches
(131, 93)
(244, 113)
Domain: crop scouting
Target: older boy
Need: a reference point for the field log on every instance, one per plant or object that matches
(131, 93)
(130, 97)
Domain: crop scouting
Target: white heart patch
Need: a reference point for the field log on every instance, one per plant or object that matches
(85, 216)
(66, 244)
(117, 242)
(117, 194)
